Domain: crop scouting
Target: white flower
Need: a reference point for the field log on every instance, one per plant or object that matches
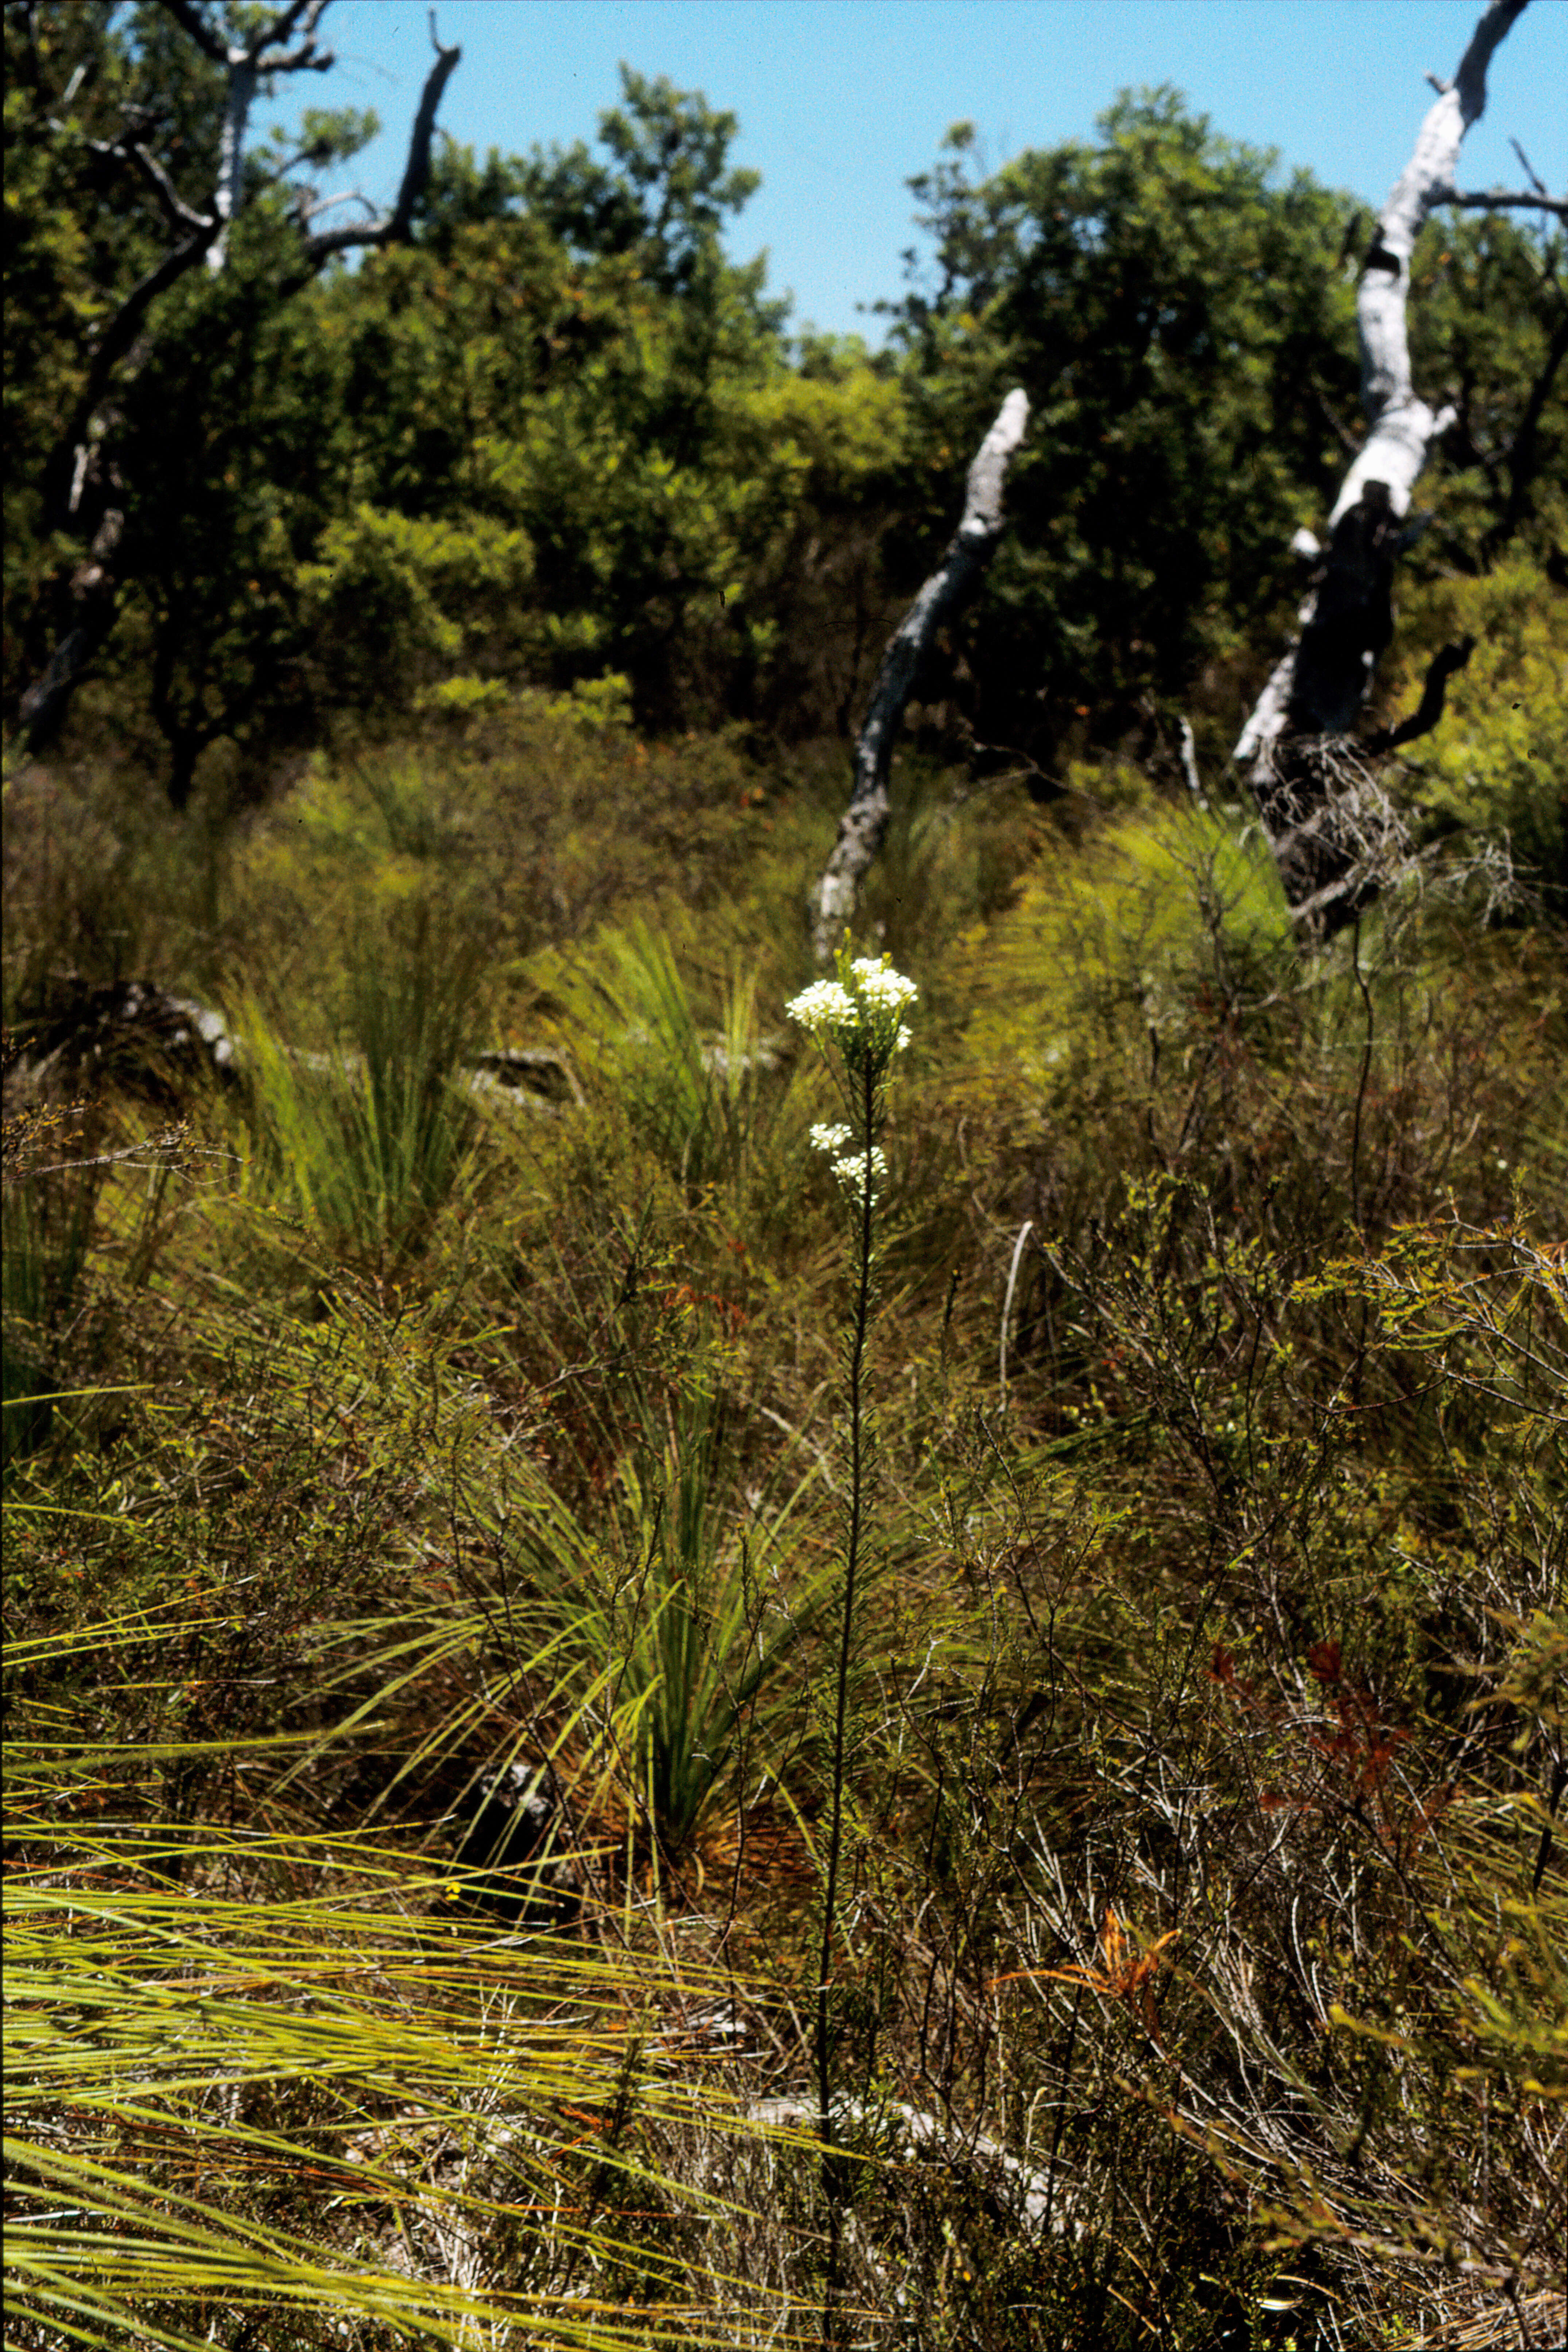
(824, 1005)
(851, 1170)
(879, 987)
(858, 1014)
(830, 1138)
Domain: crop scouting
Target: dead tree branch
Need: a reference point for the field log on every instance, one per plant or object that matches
(1442, 667)
(1528, 168)
(283, 43)
(1504, 200)
(63, 467)
(393, 229)
(864, 824)
(94, 594)
(247, 64)
(1321, 683)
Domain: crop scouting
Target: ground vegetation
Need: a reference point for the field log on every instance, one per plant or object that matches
(648, 1701)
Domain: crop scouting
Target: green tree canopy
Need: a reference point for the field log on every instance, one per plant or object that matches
(1184, 328)
(556, 433)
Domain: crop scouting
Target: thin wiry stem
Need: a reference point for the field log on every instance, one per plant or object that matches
(832, 2168)
(1366, 1073)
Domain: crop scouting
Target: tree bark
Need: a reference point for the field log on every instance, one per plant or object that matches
(864, 824)
(242, 79)
(1313, 797)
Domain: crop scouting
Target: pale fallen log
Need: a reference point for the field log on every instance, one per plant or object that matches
(907, 2133)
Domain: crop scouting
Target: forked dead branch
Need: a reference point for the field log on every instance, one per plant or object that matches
(1334, 833)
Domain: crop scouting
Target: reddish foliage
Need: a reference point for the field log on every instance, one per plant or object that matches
(1323, 1661)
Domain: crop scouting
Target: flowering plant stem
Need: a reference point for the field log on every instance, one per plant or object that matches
(857, 1019)
(832, 2164)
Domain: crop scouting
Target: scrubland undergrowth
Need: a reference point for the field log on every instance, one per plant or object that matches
(1202, 1902)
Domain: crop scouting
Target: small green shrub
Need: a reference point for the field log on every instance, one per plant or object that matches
(370, 1140)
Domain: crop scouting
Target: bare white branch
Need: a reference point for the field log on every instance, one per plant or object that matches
(865, 821)
(1190, 766)
(1320, 683)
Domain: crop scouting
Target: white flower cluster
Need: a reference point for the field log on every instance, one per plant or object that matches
(860, 1011)
(860, 1015)
(880, 986)
(849, 1167)
(851, 1170)
(825, 1004)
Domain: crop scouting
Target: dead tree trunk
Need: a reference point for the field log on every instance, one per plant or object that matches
(1331, 827)
(246, 64)
(864, 824)
(83, 495)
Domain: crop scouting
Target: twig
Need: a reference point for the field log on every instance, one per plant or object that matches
(1429, 709)
(1025, 1230)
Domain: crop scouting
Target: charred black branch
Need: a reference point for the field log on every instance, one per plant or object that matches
(271, 58)
(95, 592)
(1528, 168)
(1443, 666)
(196, 21)
(113, 344)
(394, 228)
(1353, 620)
(1470, 81)
(1503, 200)
(416, 173)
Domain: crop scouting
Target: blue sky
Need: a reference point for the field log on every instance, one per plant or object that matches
(840, 101)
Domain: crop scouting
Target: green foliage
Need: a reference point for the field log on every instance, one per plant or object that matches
(381, 589)
(1486, 318)
(688, 1609)
(1205, 1693)
(231, 433)
(49, 1228)
(80, 228)
(283, 2094)
(663, 197)
(561, 437)
(1492, 771)
(696, 1102)
(207, 448)
(368, 1140)
(1182, 325)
